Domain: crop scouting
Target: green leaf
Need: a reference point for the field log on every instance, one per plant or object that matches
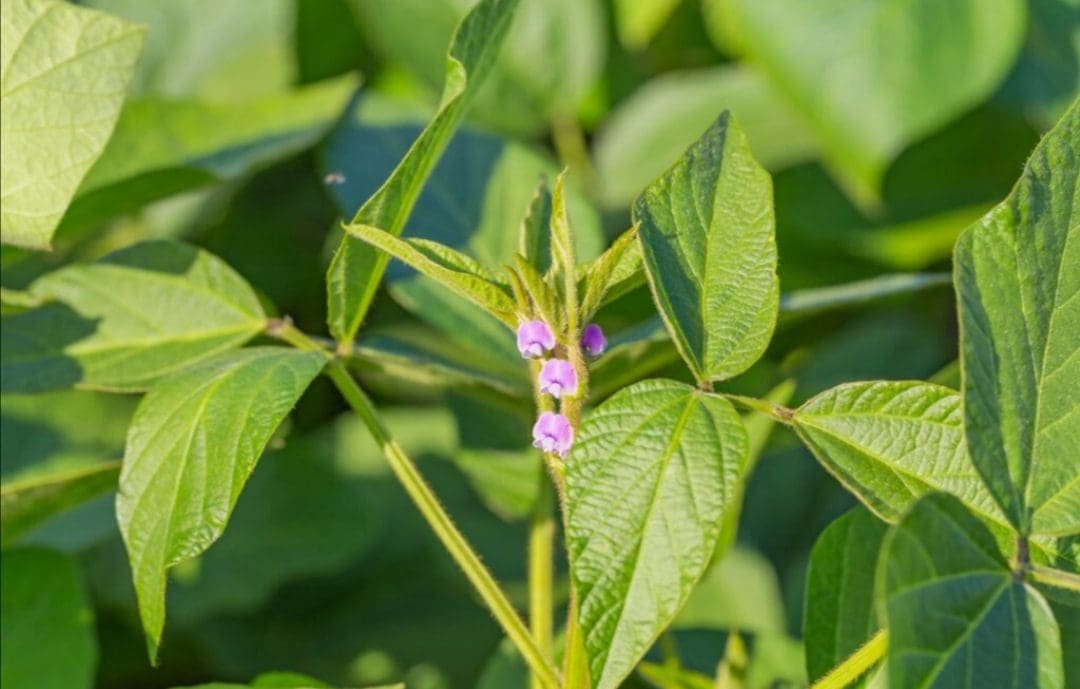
(670, 456)
(890, 443)
(649, 131)
(127, 320)
(839, 610)
(25, 504)
(356, 269)
(164, 147)
(708, 239)
(739, 591)
(449, 268)
(554, 52)
(956, 615)
(534, 237)
(611, 274)
(1017, 284)
(63, 74)
(638, 22)
(564, 253)
(872, 76)
(213, 50)
(46, 622)
(193, 442)
(539, 293)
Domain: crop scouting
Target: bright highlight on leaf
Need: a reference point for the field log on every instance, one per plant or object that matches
(64, 71)
(193, 442)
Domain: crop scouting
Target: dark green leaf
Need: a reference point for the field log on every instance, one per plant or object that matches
(193, 442)
(669, 457)
(1017, 286)
(839, 611)
(707, 235)
(47, 636)
(957, 617)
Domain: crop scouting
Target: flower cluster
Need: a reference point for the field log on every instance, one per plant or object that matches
(558, 378)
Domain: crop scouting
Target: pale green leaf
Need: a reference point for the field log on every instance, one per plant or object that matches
(648, 132)
(669, 457)
(638, 21)
(839, 610)
(356, 269)
(739, 591)
(193, 442)
(957, 617)
(708, 239)
(64, 71)
(553, 54)
(539, 293)
(611, 274)
(1017, 274)
(163, 147)
(26, 503)
(47, 638)
(217, 50)
(872, 76)
(451, 269)
(125, 321)
(892, 442)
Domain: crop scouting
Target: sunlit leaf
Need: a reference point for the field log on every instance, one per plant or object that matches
(193, 442)
(64, 71)
(670, 457)
(123, 322)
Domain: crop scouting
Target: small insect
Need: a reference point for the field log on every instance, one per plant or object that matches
(333, 178)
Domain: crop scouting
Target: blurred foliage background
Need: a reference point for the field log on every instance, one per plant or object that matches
(248, 133)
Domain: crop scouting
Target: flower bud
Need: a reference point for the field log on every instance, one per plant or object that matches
(592, 340)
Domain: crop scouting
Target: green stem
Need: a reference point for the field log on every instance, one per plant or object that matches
(1055, 577)
(541, 566)
(777, 411)
(575, 663)
(413, 482)
(856, 664)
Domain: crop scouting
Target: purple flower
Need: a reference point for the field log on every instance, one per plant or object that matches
(534, 338)
(553, 433)
(593, 340)
(558, 378)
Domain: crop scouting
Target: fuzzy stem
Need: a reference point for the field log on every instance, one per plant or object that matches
(777, 411)
(855, 664)
(425, 499)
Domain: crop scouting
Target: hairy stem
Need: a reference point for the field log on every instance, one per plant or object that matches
(575, 662)
(425, 499)
(855, 664)
(1055, 577)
